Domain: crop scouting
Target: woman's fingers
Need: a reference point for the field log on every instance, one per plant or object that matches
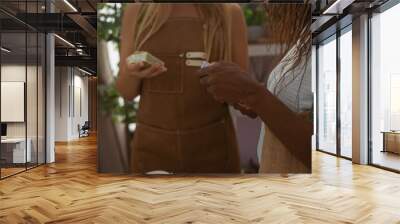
(152, 71)
(204, 80)
(157, 71)
(224, 93)
(227, 82)
(208, 79)
(222, 72)
(213, 78)
(136, 69)
(244, 109)
(217, 67)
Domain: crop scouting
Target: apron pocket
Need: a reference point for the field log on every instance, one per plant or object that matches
(171, 81)
(205, 150)
(154, 149)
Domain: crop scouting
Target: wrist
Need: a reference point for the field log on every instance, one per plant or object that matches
(256, 97)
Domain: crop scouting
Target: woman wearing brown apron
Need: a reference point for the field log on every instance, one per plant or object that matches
(181, 128)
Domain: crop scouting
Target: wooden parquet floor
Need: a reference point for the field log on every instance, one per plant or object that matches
(71, 191)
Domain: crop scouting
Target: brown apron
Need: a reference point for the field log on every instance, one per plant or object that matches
(181, 128)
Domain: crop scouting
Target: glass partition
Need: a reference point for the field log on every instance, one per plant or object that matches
(327, 95)
(22, 90)
(14, 151)
(385, 89)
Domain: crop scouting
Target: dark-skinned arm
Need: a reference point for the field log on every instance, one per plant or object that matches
(292, 129)
(228, 83)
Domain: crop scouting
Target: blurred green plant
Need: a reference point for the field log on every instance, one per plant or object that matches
(254, 14)
(108, 29)
(109, 21)
(114, 105)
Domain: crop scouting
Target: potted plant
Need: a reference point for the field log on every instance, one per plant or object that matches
(255, 19)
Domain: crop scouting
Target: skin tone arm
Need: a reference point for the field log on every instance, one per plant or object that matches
(240, 47)
(239, 38)
(240, 52)
(293, 130)
(228, 82)
(130, 75)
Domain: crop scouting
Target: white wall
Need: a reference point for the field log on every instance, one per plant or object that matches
(71, 93)
(12, 73)
(62, 81)
(80, 96)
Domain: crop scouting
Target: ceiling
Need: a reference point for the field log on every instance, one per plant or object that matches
(72, 20)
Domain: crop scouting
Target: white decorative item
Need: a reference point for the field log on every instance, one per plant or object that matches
(143, 56)
(12, 101)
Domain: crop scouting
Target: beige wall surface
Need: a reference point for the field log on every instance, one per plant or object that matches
(71, 102)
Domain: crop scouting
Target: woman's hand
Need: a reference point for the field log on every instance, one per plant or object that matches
(245, 110)
(227, 82)
(137, 70)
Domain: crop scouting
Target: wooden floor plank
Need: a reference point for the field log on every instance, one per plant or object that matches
(71, 191)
